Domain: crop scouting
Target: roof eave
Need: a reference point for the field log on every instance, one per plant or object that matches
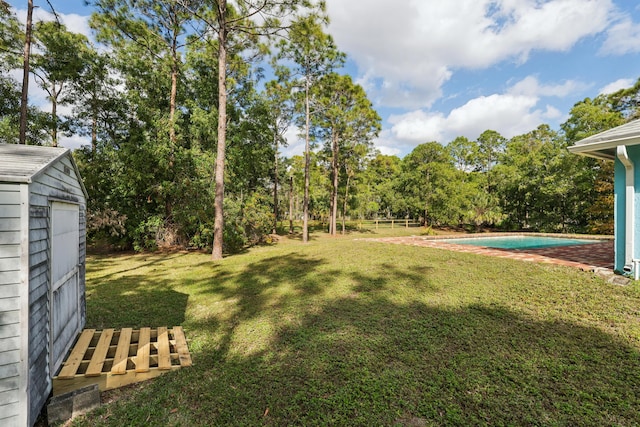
(80, 180)
(597, 149)
(15, 179)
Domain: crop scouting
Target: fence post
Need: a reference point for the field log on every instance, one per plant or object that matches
(376, 224)
(392, 224)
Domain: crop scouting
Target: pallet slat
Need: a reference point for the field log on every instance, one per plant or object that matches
(181, 346)
(77, 355)
(144, 348)
(100, 353)
(164, 352)
(122, 352)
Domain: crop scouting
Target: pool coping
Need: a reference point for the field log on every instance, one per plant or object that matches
(544, 256)
(516, 234)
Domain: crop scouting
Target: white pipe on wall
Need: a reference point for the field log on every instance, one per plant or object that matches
(623, 156)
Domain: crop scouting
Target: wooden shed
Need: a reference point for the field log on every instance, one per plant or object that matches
(42, 273)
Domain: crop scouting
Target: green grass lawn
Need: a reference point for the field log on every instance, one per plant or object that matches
(348, 332)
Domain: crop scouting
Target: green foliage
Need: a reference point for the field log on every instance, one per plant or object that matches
(347, 123)
(626, 101)
(247, 221)
(9, 110)
(147, 234)
(428, 182)
(464, 153)
(535, 174)
(589, 117)
(11, 39)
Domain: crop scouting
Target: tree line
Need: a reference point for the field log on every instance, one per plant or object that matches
(185, 105)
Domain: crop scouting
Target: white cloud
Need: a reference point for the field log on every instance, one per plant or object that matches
(532, 87)
(407, 53)
(552, 113)
(616, 86)
(295, 146)
(74, 22)
(74, 142)
(508, 114)
(387, 144)
(622, 38)
(418, 126)
(512, 113)
(37, 95)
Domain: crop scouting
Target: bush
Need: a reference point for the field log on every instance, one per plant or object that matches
(106, 227)
(147, 234)
(247, 222)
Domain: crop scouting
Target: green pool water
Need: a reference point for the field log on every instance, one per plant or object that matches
(520, 242)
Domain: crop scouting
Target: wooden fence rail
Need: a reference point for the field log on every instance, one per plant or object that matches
(385, 223)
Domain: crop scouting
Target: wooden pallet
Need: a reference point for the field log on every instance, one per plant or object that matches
(114, 358)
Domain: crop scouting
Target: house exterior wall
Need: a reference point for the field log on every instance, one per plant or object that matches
(58, 182)
(13, 346)
(620, 207)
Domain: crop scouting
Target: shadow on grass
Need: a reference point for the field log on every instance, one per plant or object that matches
(134, 305)
(98, 263)
(134, 300)
(367, 359)
(377, 363)
(253, 286)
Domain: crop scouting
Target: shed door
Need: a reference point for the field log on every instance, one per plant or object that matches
(65, 313)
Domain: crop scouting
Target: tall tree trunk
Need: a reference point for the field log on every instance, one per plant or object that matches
(94, 129)
(218, 226)
(168, 203)
(426, 215)
(25, 76)
(275, 186)
(172, 99)
(54, 115)
(291, 204)
(344, 205)
(334, 192)
(307, 162)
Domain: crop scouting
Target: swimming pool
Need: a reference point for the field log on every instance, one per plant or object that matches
(519, 242)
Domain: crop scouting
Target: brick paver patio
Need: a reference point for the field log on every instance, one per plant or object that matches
(588, 257)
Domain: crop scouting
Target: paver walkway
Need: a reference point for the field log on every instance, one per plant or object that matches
(588, 257)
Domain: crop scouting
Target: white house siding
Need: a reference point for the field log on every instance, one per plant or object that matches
(58, 182)
(11, 384)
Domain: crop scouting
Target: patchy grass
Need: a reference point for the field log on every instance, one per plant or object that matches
(347, 332)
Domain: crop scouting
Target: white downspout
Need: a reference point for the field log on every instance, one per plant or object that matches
(623, 156)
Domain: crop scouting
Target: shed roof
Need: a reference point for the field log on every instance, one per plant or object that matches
(22, 163)
(603, 145)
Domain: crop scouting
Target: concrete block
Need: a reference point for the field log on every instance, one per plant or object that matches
(69, 405)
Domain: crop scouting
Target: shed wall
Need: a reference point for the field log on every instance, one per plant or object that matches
(11, 342)
(58, 182)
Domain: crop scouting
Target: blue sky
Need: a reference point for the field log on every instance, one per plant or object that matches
(437, 69)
